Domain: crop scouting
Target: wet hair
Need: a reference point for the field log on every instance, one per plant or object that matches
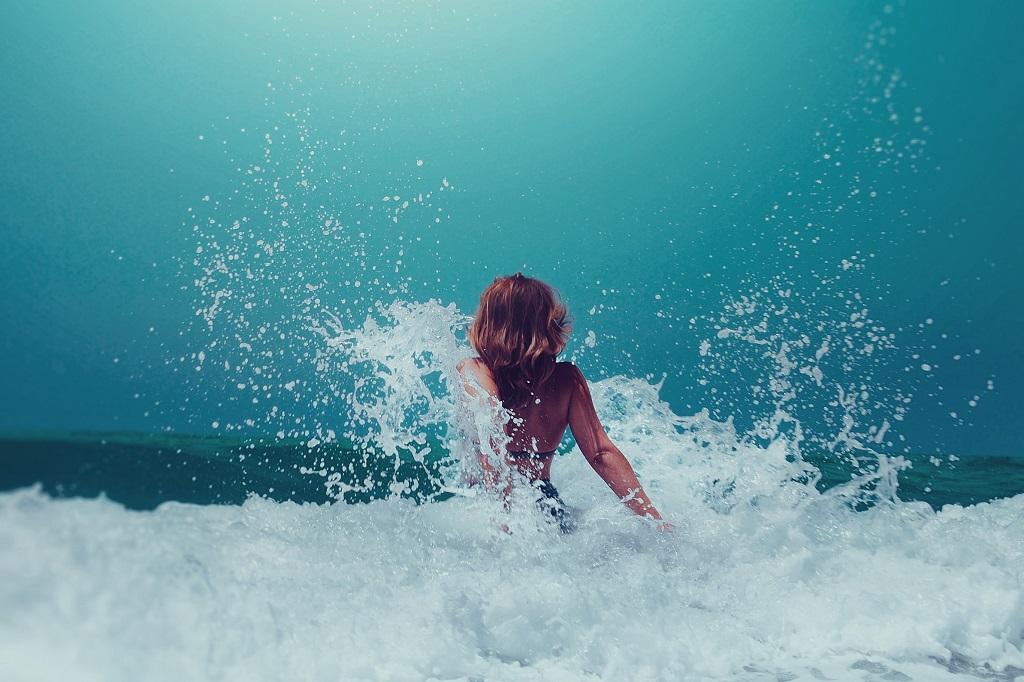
(519, 329)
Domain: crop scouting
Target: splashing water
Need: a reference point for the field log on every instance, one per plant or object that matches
(767, 576)
(396, 376)
(772, 574)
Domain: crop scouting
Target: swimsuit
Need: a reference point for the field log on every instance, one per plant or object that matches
(526, 454)
(549, 502)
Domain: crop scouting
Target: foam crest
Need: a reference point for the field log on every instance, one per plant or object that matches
(758, 591)
(768, 576)
(397, 374)
(404, 395)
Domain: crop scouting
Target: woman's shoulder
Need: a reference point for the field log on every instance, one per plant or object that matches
(476, 368)
(472, 365)
(569, 373)
(567, 367)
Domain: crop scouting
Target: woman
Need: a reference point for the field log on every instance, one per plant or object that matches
(519, 329)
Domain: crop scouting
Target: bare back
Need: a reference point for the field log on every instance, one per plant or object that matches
(538, 426)
(520, 327)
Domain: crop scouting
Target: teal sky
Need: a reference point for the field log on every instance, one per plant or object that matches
(629, 155)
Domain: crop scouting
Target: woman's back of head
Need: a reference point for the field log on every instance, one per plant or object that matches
(520, 328)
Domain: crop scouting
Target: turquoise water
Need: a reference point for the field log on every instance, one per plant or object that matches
(644, 150)
(242, 244)
(223, 470)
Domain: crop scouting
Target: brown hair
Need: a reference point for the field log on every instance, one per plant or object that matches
(519, 329)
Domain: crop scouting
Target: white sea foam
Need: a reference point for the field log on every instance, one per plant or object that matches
(764, 578)
(395, 591)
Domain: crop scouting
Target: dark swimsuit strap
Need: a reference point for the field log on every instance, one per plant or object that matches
(526, 454)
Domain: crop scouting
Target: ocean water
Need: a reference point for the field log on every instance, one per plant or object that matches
(367, 558)
(244, 245)
(769, 575)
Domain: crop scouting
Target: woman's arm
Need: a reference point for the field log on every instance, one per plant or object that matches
(483, 392)
(602, 454)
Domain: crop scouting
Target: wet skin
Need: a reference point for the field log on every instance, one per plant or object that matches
(563, 401)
